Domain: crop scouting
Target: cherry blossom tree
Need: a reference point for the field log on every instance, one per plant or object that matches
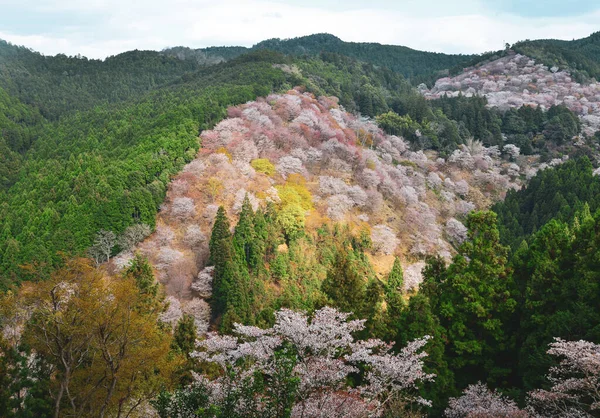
(200, 311)
(132, 235)
(203, 283)
(575, 381)
(164, 235)
(384, 239)
(413, 275)
(318, 354)
(168, 256)
(456, 231)
(240, 195)
(338, 205)
(183, 207)
(173, 312)
(477, 401)
(369, 178)
(194, 236)
(289, 165)
(511, 150)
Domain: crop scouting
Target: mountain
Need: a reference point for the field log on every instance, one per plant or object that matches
(59, 84)
(580, 56)
(406, 61)
(102, 160)
(409, 62)
(305, 200)
(325, 166)
(516, 80)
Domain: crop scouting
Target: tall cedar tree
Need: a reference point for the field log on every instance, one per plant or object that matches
(140, 271)
(474, 304)
(394, 288)
(231, 283)
(417, 320)
(244, 237)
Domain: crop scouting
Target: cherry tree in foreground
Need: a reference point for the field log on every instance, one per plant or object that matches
(575, 390)
(477, 401)
(301, 367)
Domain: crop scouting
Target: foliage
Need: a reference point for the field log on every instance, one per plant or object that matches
(473, 301)
(300, 367)
(401, 59)
(263, 165)
(99, 338)
(107, 167)
(581, 55)
(574, 380)
(477, 400)
(554, 193)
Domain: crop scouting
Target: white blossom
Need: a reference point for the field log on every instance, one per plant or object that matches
(183, 207)
(456, 231)
(203, 283)
(478, 401)
(289, 165)
(384, 239)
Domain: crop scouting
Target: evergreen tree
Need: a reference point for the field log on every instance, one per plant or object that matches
(394, 287)
(475, 304)
(232, 291)
(140, 271)
(539, 277)
(345, 284)
(394, 299)
(244, 237)
(184, 337)
(416, 321)
(220, 232)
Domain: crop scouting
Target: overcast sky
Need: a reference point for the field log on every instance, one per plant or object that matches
(99, 28)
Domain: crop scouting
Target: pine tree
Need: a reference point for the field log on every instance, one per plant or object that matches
(184, 337)
(347, 283)
(232, 297)
(416, 321)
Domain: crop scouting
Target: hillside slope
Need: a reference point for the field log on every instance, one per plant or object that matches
(322, 166)
(582, 56)
(106, 167)
(59, 84)
(516, 80)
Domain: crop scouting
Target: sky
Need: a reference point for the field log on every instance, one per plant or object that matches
(100, 28)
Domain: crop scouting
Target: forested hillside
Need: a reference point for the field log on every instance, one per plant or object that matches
(310, 166)
(55, 85)
(296, 231)
(580, 55)
(75, 168)
(403, 60)
(108, 167)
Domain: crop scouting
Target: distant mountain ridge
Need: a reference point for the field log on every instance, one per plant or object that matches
(409, 62)
(581, 56)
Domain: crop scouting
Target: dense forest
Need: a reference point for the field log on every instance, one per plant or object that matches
(57, 191)
(406, 61)
(582, 56)
(300, 153)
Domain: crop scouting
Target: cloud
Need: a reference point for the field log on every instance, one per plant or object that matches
(99, 28)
